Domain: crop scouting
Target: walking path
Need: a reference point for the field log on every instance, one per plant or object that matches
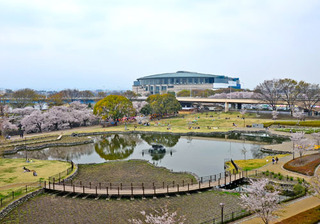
(141, 190)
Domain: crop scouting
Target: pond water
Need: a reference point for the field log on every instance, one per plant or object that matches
(200, 155)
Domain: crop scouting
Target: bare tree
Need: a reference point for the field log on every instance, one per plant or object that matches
(269, 92)
(260, 201)
(289, 92)
(309, 94)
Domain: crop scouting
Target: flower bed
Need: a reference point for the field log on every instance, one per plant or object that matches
(305, 165)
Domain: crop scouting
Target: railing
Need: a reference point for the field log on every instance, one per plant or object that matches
(60, 176)
(17, 193)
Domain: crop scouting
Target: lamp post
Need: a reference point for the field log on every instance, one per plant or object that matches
(25, 147)
(222, 205)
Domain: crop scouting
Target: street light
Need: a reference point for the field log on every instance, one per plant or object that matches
(222, 205)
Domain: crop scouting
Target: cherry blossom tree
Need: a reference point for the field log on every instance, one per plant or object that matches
(23, 111)
(260, 200)
(33, 122)
(160, 217)
(303, 145)
(299, 115)
(296, 137)
(6, 125)
(275, 114)
(138, 105)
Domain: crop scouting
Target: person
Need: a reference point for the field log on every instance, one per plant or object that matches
(35, 173)
(26, 169)
(277, 159)
(273, 160)
(234, 125)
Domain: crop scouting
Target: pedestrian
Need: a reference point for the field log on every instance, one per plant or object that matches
(277, 159)
(273, 160)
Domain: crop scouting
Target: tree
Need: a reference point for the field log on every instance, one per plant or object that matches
(260, 200)
(114, 106)
(146, 110)
(70, 94)
(269, 92)
(275, 114)
(55, 99)
(164, 104)
(303, 145)
(33, 122)
(309, 94)
(289, 92)
(163, 216)
(40, 100)
(81, 113)
(24, 97)
(6, 125)
(183, 93)
(130, 94)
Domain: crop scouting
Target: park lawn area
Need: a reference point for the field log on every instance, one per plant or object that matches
(310, 216)
(127, 172)
(215, 120)
(310, 123)
(305, 165)
(197, 208)
(251, 164)
(12, 175)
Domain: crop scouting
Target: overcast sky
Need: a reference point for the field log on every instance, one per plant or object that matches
(107, 44)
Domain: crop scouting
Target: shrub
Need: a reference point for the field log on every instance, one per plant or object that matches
(299, 189)
(280, 177)
(291, 178)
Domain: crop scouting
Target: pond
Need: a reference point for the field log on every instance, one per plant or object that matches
(200, 155)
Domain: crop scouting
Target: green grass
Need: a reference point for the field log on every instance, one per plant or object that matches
(251, 164)
(13, 177)
(313, 123)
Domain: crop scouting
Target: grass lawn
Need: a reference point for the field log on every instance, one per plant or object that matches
(196, 208)
(127, 172)
(12, 175)
(251, 164)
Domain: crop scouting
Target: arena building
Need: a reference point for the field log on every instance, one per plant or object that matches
(182, 80)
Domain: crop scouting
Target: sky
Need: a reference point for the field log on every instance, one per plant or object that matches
(108, 44)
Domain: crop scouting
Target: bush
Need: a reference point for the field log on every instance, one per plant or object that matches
(280, 177)
(299, 189)
(291, 178)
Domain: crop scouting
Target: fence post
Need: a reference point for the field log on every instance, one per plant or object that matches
(49, 184)
(83, 189)
(53, 184)
(73, 188)
(168, 189)
(96, 191)
(142, 190)
(121, 186)
(59, 177)
(45, 184)
(188, 186)
(200, 185)
(178, 187)
(107, 191)
(172, 183)
(90, 185)
(201, 179)
(210, 177)
(209, 183)
(118, 192)
(64, 188)
(191, 181)
(154, 190)
(131, 190)
(100, 186)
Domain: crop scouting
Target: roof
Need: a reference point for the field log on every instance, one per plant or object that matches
(181, 74)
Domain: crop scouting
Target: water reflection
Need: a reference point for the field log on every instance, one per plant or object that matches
(165, 140)
(115, 147)
(203, 156)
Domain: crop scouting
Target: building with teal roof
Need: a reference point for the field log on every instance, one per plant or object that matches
(182, 80)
